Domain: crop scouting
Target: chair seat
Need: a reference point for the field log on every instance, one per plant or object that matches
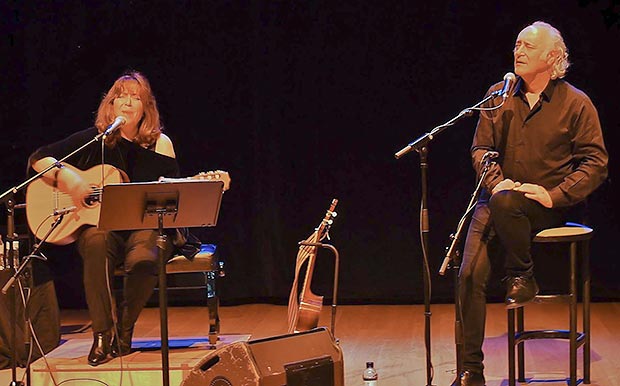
(204, 261)
(570, 232)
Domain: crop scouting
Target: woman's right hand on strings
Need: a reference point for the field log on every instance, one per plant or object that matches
(65, 179)
(73, 184)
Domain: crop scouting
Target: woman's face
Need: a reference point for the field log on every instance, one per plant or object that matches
(128, 104)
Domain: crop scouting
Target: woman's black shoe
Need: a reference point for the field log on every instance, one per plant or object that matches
(100, 351)
(122, 346)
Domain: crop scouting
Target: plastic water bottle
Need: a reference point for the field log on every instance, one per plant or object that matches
(370, 375)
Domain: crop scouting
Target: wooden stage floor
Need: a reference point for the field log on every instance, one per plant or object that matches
(390, 335)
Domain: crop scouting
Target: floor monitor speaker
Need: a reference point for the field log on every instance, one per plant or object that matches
(310, 358)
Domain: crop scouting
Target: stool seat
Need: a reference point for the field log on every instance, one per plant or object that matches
(566, 234)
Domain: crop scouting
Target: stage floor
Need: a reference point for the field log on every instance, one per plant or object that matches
(390, 335)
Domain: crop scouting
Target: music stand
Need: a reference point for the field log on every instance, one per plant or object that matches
(159, 205)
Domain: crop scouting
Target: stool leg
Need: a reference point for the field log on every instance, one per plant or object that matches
(213, 304)
(521, 345)
(585, 256)
(573, 314)
(511, 347)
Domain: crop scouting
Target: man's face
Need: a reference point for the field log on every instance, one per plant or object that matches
(532, 52)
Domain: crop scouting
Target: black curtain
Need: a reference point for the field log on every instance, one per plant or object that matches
(302, 102)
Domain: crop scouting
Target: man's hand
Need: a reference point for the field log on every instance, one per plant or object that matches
(536, 193)
(506, 184)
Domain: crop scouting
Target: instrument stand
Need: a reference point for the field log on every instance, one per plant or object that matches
(161, 205)
(453, 260)
(420, 145)
(13, 256)
(336, 275)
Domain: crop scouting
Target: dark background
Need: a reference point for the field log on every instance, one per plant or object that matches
(302, 102)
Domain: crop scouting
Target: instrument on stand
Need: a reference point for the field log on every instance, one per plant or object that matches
(303, 315)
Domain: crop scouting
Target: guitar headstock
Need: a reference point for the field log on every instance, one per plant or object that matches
(216, 175)
(328, 220)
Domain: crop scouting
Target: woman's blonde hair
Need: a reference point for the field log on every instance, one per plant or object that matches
(149, 127)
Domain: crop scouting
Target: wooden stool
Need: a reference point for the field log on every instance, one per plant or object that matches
(578, 236)
(207, 262)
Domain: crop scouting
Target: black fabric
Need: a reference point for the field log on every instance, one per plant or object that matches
(186, 243)
(140, 164)
(45, 318)
(557, 144)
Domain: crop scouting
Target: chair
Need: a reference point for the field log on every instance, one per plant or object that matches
(206, 262)
(578, 236)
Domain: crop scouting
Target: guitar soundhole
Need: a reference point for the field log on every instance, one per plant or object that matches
(92, 199)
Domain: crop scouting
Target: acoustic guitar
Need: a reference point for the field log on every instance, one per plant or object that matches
(303, 315)
(45, 202)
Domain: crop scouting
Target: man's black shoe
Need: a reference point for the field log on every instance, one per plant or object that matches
(469, 378)
(520, 290)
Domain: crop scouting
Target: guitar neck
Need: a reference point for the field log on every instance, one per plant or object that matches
(310, 252)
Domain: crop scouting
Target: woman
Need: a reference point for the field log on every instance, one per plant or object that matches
(142, 153)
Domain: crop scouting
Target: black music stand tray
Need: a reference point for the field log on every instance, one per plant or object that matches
(159, 205)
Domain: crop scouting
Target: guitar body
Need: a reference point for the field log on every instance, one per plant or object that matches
(42, 199)
(309, 312)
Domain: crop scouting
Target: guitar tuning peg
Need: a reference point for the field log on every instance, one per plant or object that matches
(334, 214)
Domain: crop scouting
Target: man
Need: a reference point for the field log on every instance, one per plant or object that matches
(552, 156)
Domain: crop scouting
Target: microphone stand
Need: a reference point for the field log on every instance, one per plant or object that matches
(453, 260)
(34, 252)
(420, 145)
(13, 252)
(12, 256)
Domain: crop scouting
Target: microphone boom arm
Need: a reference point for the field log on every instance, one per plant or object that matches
(57, 164)
(423, 140)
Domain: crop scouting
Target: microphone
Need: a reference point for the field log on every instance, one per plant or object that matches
(488, 156)
(63, 211)
(118, 121)
(509, 80)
